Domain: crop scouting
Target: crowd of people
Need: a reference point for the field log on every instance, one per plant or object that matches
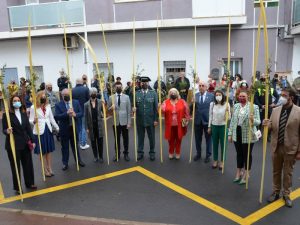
(55, 115)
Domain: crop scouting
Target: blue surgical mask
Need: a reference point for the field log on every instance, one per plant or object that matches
(17, 105)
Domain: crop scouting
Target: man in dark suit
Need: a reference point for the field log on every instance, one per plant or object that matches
(64, 112)
(82, 94)
(202, 103)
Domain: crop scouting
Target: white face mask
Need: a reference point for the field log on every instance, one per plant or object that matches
(282, 100)
(219, 98)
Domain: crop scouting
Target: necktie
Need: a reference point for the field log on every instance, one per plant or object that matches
(282, 124)
(119, 100)
(201, 99)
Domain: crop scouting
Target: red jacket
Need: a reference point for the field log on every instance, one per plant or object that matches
(181, 113)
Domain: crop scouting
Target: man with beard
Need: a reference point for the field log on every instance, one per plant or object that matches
(146, 117)
(122, 108)
(284, 125)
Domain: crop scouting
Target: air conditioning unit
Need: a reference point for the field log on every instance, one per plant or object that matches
(72, 42)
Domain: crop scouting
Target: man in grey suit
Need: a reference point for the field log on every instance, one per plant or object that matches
(202, 103)
(122, 108)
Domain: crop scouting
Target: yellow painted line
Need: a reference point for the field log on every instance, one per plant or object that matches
(261, 213)
(1, 192)
(68, 185)
(202, 201)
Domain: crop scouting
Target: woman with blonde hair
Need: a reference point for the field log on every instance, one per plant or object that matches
(45, 120)
(176, 112)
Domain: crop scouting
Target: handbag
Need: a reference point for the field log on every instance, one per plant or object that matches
(184, 122)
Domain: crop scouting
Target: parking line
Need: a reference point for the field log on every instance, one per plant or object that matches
(224, 212)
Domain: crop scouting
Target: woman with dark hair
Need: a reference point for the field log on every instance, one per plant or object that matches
(238, 132)
(45, 120)
(20, 127)
(216, 125)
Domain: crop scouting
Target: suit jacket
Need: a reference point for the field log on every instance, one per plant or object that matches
(43, 119)
(64, 119)
(22, 132)
(123, 111)
(89, 119)
(202, 110)
(245, 124)
(291, 133)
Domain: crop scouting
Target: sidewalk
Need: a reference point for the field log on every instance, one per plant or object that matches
(28, 217)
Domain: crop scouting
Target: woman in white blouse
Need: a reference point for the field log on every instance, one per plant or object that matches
(216, 126)
(45, 120)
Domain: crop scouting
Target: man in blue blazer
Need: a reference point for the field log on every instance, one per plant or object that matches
(202, 103)
(64, 113)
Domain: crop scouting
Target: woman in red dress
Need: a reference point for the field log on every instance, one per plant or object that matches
(176, 112)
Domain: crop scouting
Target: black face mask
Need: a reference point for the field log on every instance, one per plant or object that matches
(43, 100)
(119, 90)
(93, 96)
(173, 97)
(145, 86)
(67, 98)
(262, 79)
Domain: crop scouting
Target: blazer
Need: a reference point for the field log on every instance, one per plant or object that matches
(291, 133)
(64, 119)
(202, 110)
(89, 120)
(22, 132)
(245, 124)
(123, 111)
(43, 120)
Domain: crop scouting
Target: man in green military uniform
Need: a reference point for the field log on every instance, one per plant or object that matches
(146, 117)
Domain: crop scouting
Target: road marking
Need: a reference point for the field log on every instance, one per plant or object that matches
(224, 212)
(68, 185)
(252, 218)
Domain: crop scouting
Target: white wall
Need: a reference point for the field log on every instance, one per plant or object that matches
(296, 57)
(49, 53)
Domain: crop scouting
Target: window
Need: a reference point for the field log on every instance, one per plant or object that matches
(173, 68)
(10, 74)
(267, 3)
(104, 69)
(39, 72)
(235, 66)
(29, 2)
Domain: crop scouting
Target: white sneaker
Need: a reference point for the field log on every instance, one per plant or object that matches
(84, 147)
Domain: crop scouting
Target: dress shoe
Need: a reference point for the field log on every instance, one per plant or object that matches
(101, 160)
(18, 192)
(275, 196)
(115, 159)
(81, 164)
(65, 167)
(152, 157)
(207, 160)
(197, 157)
(140, 157)
(32, 187)
(96, 160)
(126, 157)
(288, 201)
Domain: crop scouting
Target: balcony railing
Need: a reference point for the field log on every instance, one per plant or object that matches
(47, 14)
(296, 12)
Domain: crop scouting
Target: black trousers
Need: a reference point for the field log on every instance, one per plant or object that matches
(121, 130)
(24, 156)
(97, 144)
(242, 151)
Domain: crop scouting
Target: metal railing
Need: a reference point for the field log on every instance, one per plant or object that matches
(46, 14)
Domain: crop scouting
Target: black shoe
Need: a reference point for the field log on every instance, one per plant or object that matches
(140, 157)
(32, 187)
(275, 196)
(18, 192)
(115, 159)
(152, 157)
(58, 138)
(65, 167)
(81, 164)
(101, 160)
(126, 157)
(96, 160)
(207, 160)
(288, 201)
(197, 157)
